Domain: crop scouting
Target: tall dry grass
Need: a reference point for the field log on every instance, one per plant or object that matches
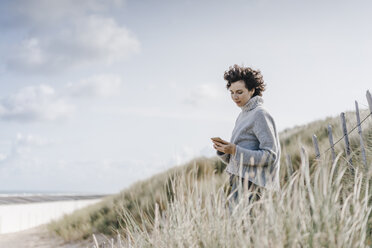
(138, 199)
(321, 204)
(326, 208)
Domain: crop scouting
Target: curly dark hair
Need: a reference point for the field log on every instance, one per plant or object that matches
(252, 78)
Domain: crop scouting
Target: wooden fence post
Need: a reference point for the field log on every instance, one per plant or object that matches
(289, 165)
(363, 151)
(369, 99)
(315, 142)
(346, 138)
(330, 138)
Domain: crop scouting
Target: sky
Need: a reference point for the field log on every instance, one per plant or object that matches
(96, 95)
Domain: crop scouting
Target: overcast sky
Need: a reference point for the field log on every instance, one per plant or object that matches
(95, 95)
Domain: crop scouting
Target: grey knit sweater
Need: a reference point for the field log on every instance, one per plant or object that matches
(257, 146)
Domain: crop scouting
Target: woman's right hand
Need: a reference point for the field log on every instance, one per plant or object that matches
(218, 140)
(223, 146)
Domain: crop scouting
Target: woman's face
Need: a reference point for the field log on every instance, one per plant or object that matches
(239, 93)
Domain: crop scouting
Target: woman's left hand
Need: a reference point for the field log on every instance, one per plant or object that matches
(224, 146)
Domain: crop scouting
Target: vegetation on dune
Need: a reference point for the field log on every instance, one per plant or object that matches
(140, 198)
(321, 204)
(292, 140)
(312, 210)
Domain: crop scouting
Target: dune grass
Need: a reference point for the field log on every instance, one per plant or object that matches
(139, 198)
(321, 204)
(324, 209)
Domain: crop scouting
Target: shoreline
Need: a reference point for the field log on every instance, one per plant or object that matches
(37, 198)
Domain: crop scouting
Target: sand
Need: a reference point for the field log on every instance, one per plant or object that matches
(37, 237)
(21, 213)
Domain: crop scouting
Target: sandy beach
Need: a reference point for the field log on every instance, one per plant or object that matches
(37, 237)
(22, 213)
(23, 220)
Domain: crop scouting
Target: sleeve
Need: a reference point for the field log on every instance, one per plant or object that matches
(265, 131)
(223, 157)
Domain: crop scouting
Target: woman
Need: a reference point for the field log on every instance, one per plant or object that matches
(253, 152)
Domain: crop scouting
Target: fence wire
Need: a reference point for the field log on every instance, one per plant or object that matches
(335, 143)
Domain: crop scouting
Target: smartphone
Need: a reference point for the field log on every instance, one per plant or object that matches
(218, 139)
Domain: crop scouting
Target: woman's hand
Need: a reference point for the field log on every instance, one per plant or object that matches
(223, 146)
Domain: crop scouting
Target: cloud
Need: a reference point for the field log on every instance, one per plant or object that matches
(2, 157)
(41, 15)
(186, 153)
(23, 145)
(21, 156)
(67, 34)
(44, 103)
(34, 103)
(31, 140)
(90, 40)
(96, 86)
(167, 113)
(182, 155)
(205, 93)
